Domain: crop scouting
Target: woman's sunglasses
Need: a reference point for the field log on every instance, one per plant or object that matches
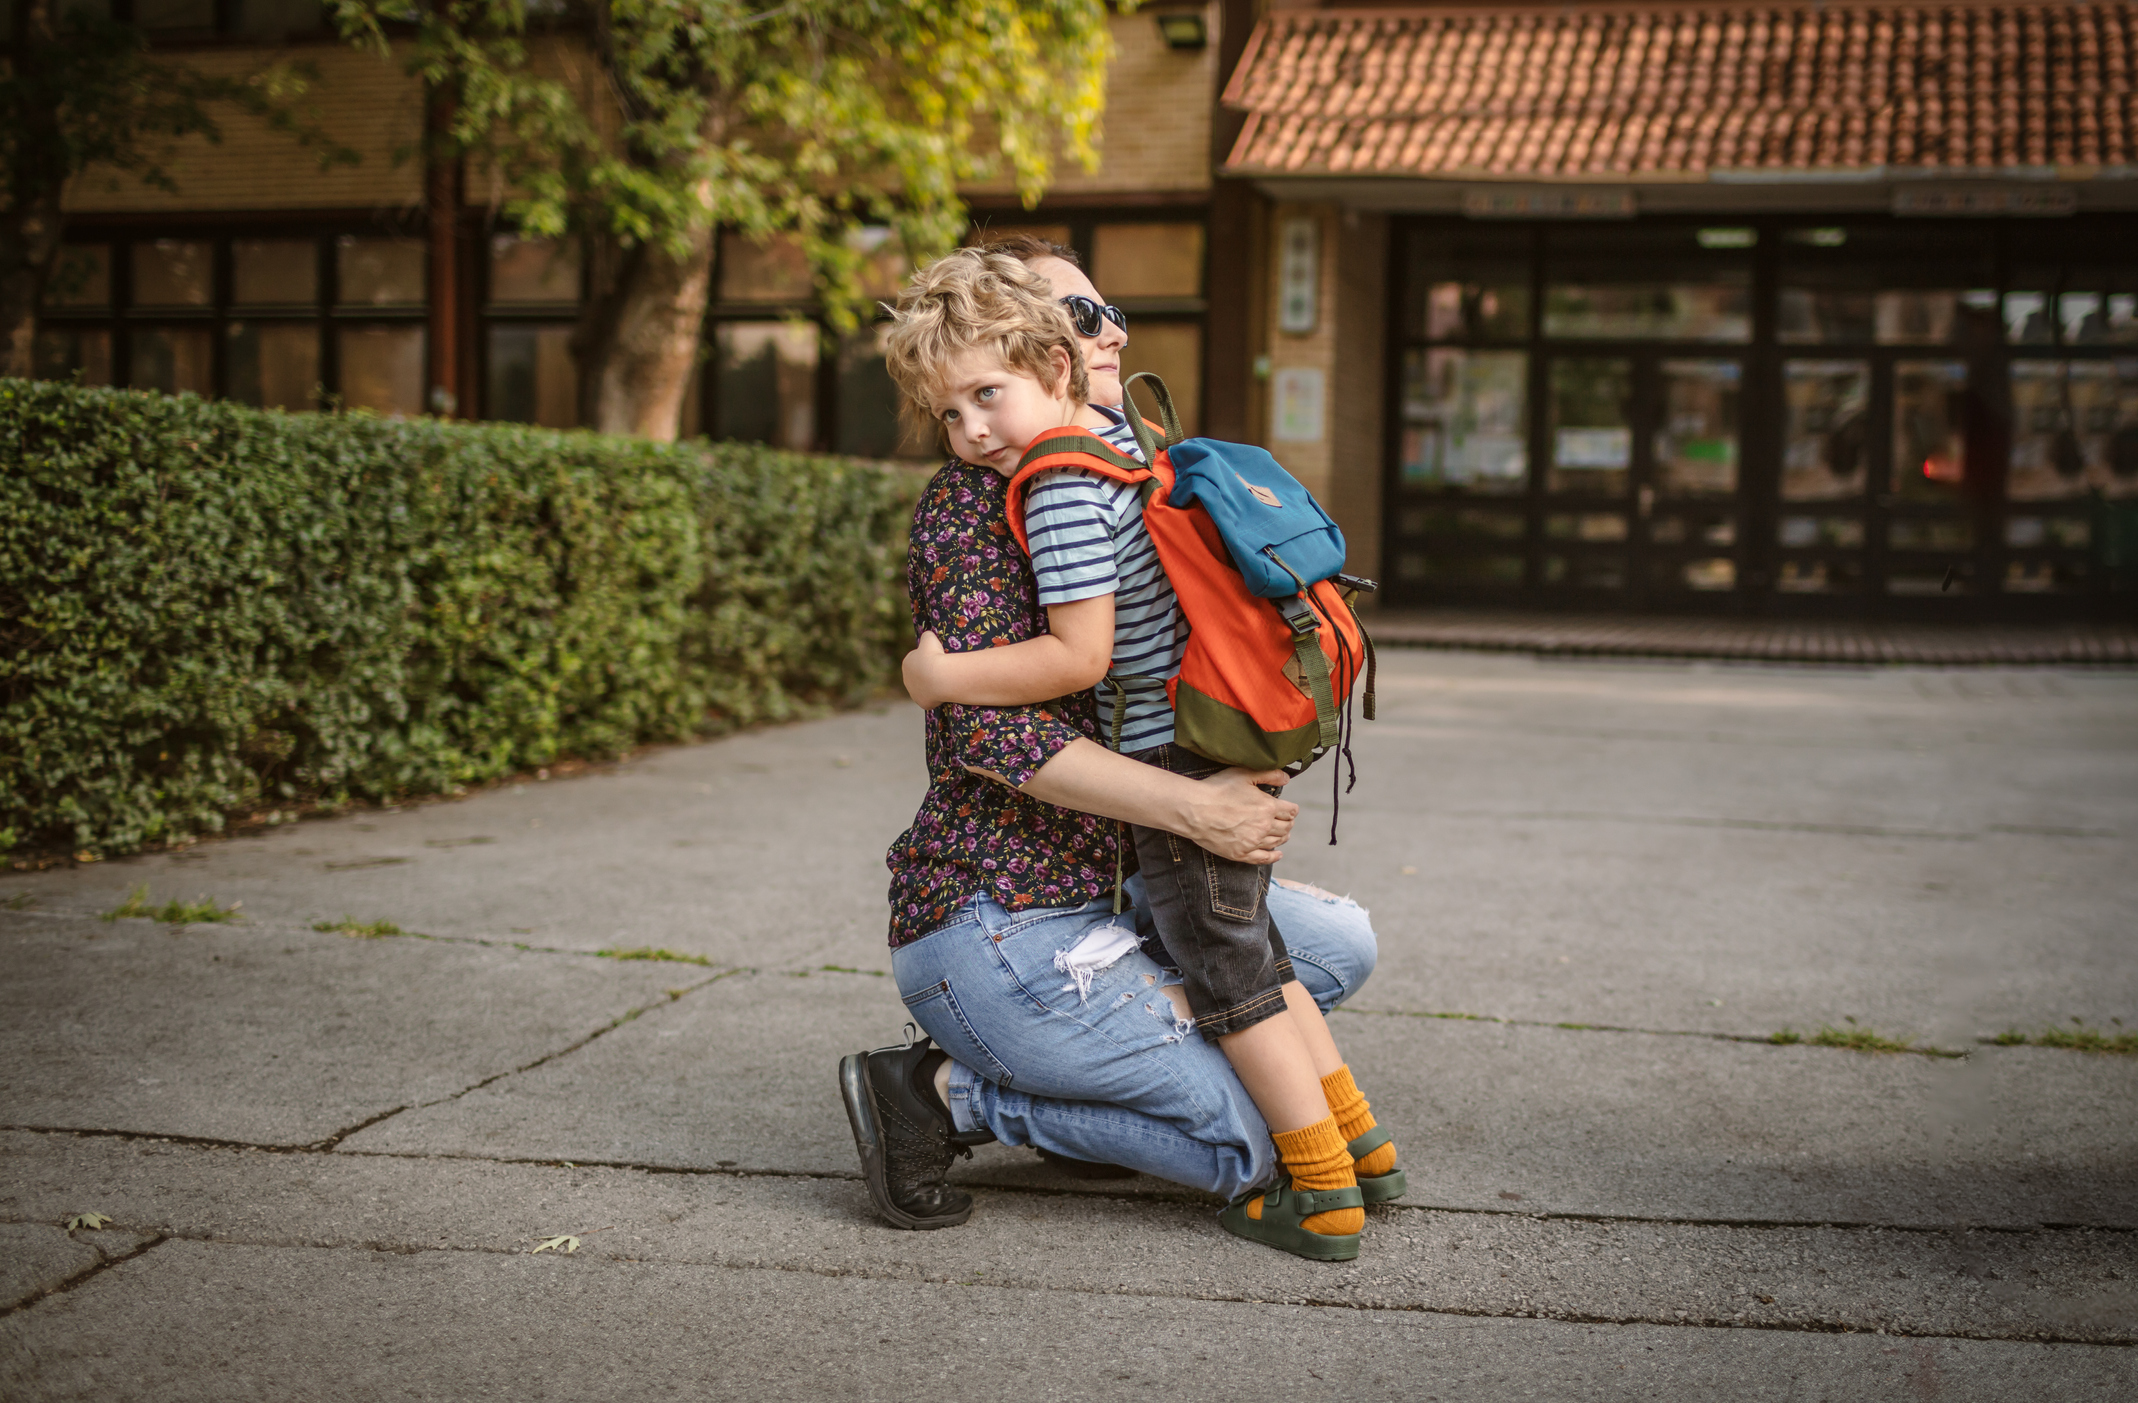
(1086, 313)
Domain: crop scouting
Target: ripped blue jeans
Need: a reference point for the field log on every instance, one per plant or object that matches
(1064, 1040)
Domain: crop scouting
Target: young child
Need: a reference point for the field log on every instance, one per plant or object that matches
(979, 343)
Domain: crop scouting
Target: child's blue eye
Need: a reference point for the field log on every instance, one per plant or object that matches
(986, 393)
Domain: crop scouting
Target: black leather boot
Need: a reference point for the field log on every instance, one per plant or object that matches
(905, 1135)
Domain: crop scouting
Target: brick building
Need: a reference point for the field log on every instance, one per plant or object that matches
(1767, 308)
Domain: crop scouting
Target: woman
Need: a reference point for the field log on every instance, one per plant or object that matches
(1048, 1022)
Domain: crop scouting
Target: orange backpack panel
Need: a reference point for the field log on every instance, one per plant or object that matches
(1249, 691)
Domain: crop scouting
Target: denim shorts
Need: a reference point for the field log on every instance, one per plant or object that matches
(1211, 917)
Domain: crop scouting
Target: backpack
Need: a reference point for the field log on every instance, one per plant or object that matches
(1274, 644)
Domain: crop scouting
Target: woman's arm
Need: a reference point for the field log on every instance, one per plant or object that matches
(1070, 657)
(1227, 813)
(968, 581)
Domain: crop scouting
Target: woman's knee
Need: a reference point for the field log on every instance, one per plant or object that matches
(1330, 938)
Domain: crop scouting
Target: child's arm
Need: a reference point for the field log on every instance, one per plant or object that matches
(1072, 655)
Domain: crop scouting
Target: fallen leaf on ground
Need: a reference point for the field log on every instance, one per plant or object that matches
(93, 1221)
(564, 1243)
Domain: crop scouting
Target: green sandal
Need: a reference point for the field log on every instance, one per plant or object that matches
(1284, 1208)
(1377, 1188)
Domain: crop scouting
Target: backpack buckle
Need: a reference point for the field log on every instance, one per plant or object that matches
(1300, 615)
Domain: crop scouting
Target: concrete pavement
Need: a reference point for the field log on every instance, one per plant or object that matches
(327, 1159)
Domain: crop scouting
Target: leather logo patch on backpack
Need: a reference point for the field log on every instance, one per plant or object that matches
(1297, 676)
(1261, 494)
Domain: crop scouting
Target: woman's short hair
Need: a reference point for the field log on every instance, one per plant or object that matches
(1030, 248)
(977, 299)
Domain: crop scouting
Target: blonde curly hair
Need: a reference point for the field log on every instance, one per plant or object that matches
(977, 299)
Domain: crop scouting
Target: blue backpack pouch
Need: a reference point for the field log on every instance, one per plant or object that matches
(1280, 538)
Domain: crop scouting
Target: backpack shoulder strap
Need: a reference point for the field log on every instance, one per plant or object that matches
(1072, 447)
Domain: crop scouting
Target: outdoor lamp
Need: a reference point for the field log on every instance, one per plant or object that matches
(1182, 29)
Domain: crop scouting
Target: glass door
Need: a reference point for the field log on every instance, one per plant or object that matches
(1690, 522)
(1642, 459)
(1888, 438)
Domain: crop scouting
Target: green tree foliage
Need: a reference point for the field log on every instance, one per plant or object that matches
(81, 93)
(205, 608)
(811, 117)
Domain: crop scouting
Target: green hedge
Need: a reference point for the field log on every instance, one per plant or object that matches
(205, 609)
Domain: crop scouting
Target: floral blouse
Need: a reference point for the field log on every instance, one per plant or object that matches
(970, 582)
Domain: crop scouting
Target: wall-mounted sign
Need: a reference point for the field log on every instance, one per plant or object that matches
(1299, 276)
(2038, 201)
(1488, 203)
(1299, 394)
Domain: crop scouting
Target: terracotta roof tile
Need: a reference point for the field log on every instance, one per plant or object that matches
(1660, 91)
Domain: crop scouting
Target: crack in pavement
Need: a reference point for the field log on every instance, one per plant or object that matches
(1449, 1016)
(1761, 1039)
(106, 1261)
(1674, 1319)
(619, 1021)
(1176, 1196)
(329, 1143)
(270, 927)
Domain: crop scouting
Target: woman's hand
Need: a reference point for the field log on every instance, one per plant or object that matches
(1225, 813)
(921, 674)
(1235, 819)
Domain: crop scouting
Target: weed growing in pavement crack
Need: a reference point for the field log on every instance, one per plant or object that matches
(1854, 1039)
(648, 952)
(20, 901)
(173, 912)
(373, 930)
(2078, 1039)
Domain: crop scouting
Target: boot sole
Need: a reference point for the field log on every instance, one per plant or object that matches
(868, 1139)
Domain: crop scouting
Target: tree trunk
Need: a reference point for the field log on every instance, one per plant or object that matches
(638, 345)
(30, 224)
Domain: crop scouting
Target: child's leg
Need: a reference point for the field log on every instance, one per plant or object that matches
(1353, 1112)
(1213, 916)
(1313, 1029)
(1278, 1071)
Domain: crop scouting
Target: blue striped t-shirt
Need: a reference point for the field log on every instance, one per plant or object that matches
(1088, 539)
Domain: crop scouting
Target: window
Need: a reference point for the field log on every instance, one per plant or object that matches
(1137, 262)
(1826, 418)
(1464, 420)
(274, 318)
(1646, 283)
(1592, 426)
(775, 270)
(274, 273)
(532, 376)
(765, 382)
(531, 294)
(1696, 446)
(273, 365)
(1925, 410)
(2074, 428)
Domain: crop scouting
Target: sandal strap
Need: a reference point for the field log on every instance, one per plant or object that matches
(1369, 1142)
(1307, 1202)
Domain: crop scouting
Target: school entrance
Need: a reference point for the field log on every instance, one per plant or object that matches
(1900, 417)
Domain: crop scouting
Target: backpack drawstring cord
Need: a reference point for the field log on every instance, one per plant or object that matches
(1338, 788)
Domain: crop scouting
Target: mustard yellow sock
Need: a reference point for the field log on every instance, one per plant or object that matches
(1317, 1159)
(1353, 1114)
